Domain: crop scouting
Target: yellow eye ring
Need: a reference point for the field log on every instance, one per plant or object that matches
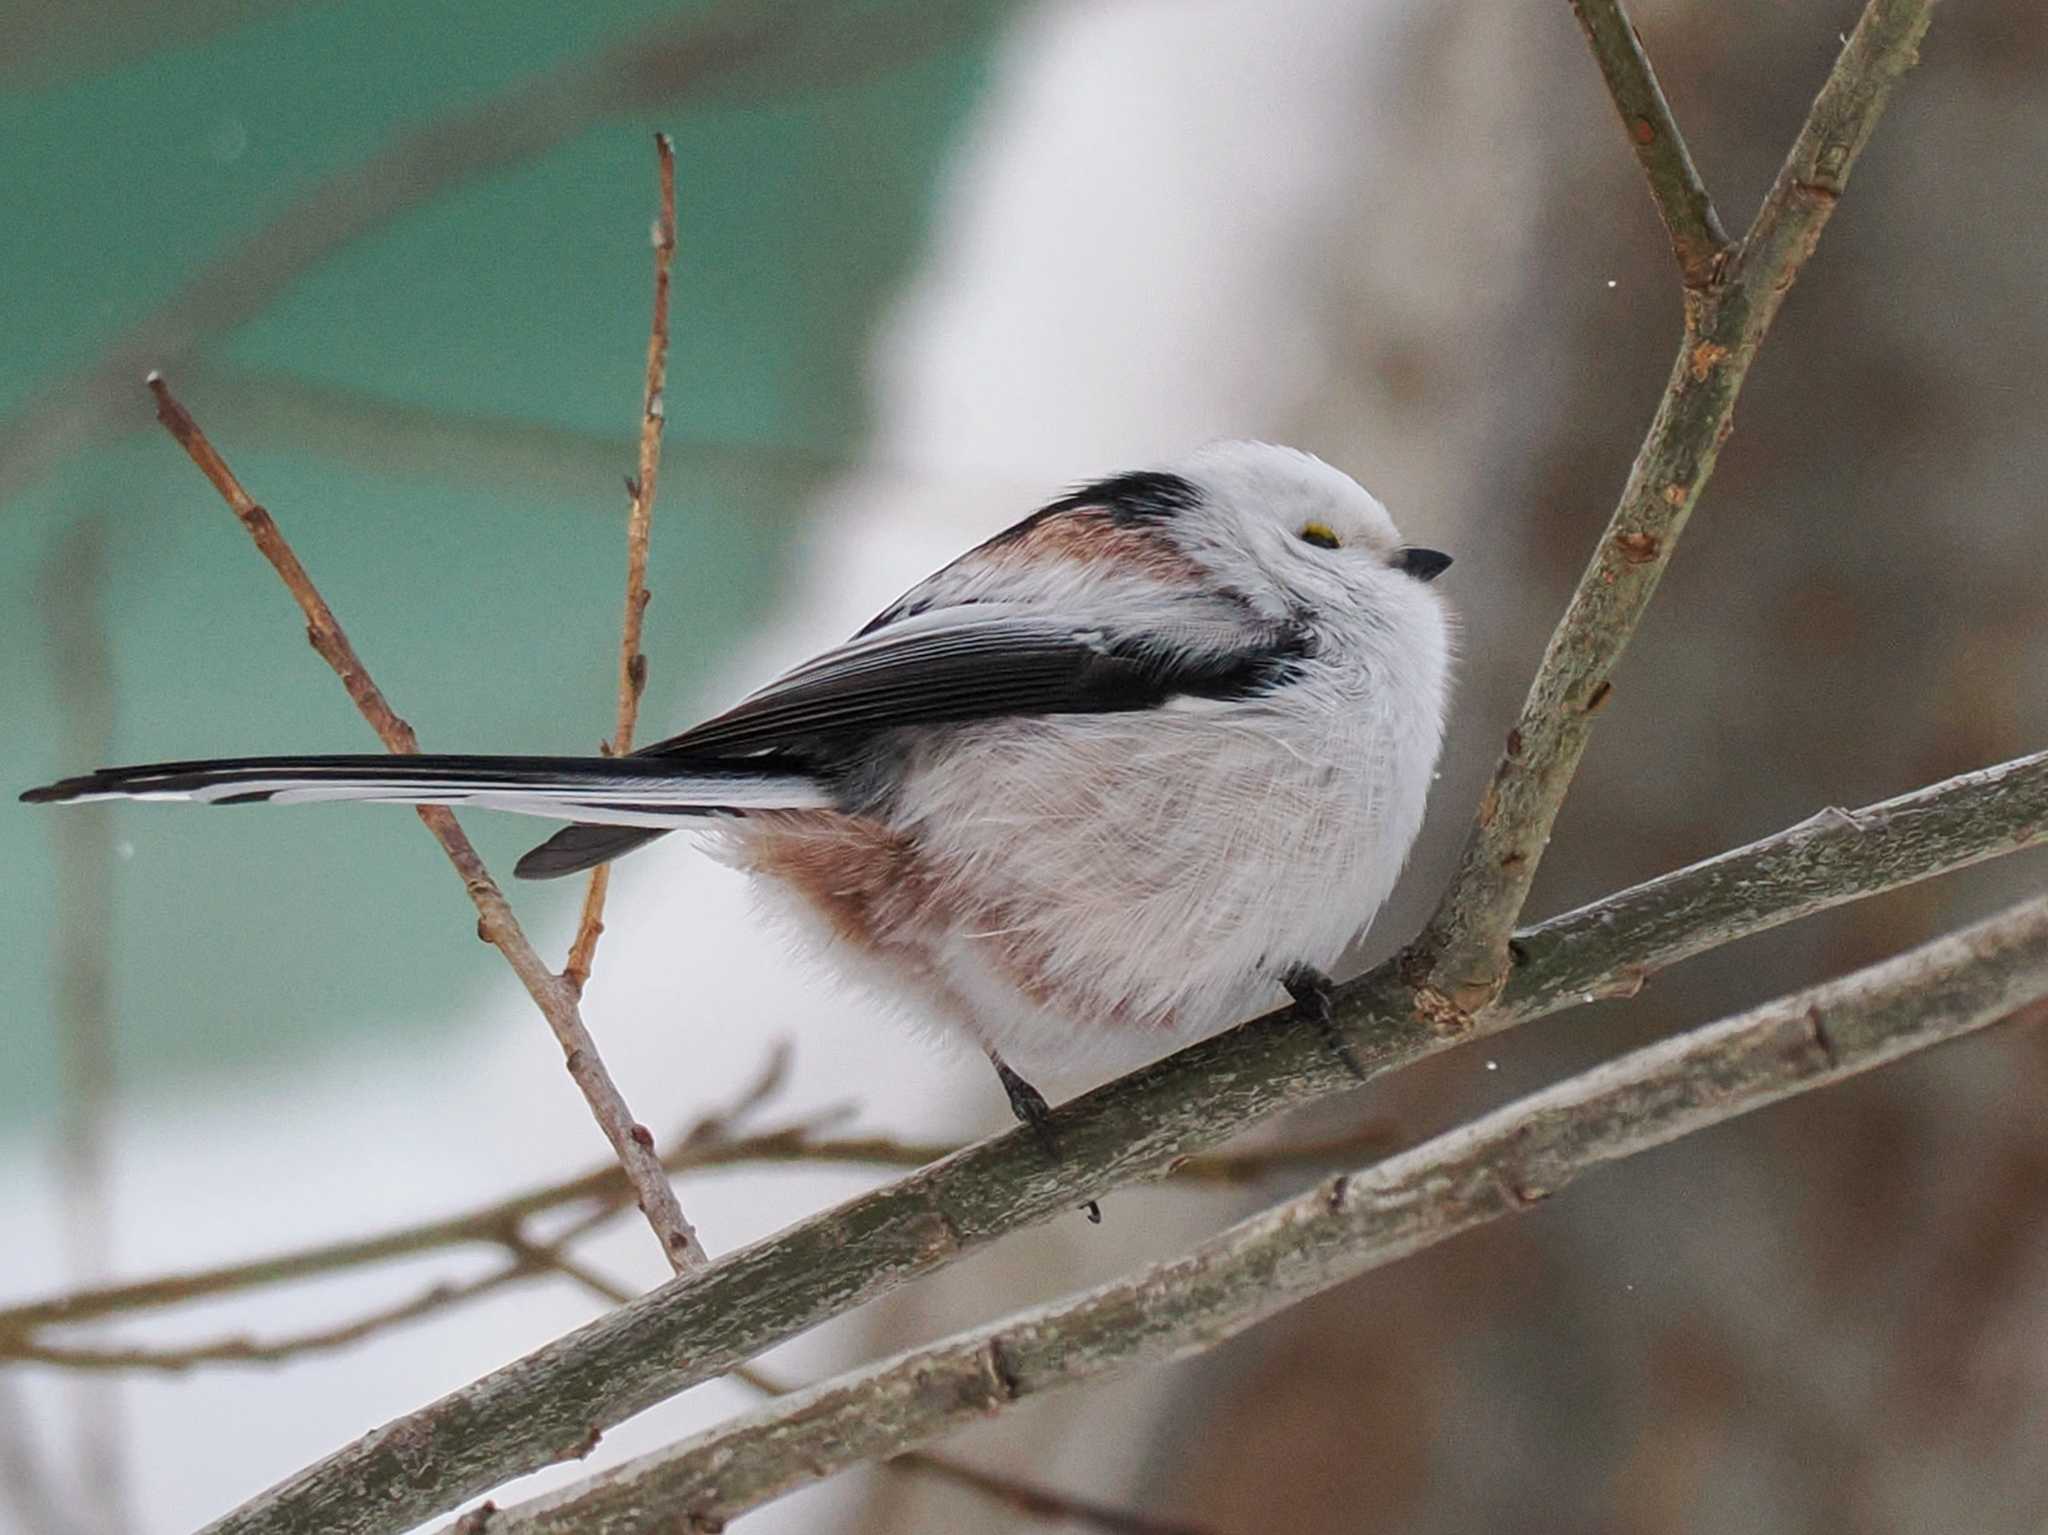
(1321, 534)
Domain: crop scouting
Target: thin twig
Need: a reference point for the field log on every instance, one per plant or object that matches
(74, 591)
(495, 1224)
(631, 1141)
(529, 1259)
(1460, 962)
(639, 525)
(1697, 239)
(1035, 1500)
(1499, 1165)
(177, 1358)
(516, 1419)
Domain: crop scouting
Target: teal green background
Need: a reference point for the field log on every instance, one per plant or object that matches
(439, 413)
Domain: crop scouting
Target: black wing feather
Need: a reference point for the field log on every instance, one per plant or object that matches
(984, 664)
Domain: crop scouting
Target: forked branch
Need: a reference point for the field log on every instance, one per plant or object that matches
(1697, 240)
(631, 1141)
(1461, 961)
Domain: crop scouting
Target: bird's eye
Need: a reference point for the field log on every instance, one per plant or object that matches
(1321, 534)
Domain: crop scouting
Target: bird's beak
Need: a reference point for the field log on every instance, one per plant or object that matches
(1422, 564)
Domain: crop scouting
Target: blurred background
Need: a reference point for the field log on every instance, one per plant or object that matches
(938, 261)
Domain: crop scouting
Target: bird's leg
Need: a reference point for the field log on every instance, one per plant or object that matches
(1311, 990)
(1031, 1109)
(1028, 1104)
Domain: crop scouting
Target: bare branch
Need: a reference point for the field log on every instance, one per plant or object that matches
(28, 1489)
(528, 1260)
(176, 1358)
(1825, 861)
(519, 1418)
(1460, 962)
(1499, 1165)
(74, 597)
(631, 1142)
(1609, 948)
(498, 1223)
(1034, 1500)
(1031, 1499)
(1697, 238)
(639, 525)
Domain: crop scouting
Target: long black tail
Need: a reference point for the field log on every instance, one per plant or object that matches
(619, 803)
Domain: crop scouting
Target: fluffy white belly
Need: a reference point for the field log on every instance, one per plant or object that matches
(1097, 890)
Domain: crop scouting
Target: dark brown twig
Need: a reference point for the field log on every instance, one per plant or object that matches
(639, 525)
(631, 1141)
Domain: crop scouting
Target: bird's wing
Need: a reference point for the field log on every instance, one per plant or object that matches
(979, 660)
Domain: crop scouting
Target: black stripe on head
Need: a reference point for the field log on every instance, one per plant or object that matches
(1141, 498)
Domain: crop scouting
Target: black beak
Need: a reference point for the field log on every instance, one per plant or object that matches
(1422, 564)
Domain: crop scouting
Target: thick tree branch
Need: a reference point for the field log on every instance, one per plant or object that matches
(631, 1141)
(1460, 962)
(533, 1411)
(1697, 239)
(1499, 1165)
(1825, 861)
(639, 525)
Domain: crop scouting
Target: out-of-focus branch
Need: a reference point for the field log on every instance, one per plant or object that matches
(75, 598)
(516, 1419)
(1034, 1500)
(499, 1223)
(28, 1484)
(1697, 239)
(1461, 960)
(538, 458)
(1499, 1165)
(631, 1141)
(770, 47)
(639, 526)
(177, 1358)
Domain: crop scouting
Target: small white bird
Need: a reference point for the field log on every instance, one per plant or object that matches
(1101, 786)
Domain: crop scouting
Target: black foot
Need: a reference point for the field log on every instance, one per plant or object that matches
(1029, 1105)
(1311, 990)
(1031, 1109)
